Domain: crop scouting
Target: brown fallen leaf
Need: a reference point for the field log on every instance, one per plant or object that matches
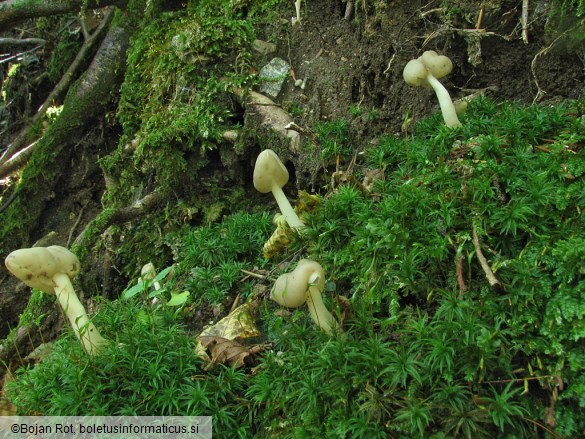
(237, 324)
(345, 307)
(229, 352)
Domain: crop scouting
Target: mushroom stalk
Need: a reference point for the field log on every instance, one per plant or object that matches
(85, 331)
(298, 11)
(286, 208)
(319, 313)
(445, 102)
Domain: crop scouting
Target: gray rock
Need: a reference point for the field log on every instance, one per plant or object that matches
(273, 76)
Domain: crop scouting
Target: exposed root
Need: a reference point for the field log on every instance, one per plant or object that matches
(18, 152)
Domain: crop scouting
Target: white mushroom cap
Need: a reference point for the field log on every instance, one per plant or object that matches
(37, 266)
(424, 71)
(269, 171)
(305, 284)
(438, 65)
(50, 269)
(415, 73)
(291, 289)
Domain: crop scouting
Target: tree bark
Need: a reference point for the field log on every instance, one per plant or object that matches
(19, 43)
(14, 11)
(119, 216)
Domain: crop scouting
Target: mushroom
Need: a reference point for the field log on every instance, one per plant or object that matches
(270, 175)
(426, 71)
(50, 269)
(305, 284)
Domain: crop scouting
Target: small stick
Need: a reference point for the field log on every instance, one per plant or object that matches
(479, 21)
(251, 273)
(489, 274)
(524, 21)
(235, 304)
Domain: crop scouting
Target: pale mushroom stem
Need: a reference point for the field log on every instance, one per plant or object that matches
(445, 102)
(287, 210)
(85, 331)
(298, 10)
(319, 312)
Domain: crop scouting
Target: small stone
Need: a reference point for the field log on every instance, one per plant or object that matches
(273, 76)
(263, 47)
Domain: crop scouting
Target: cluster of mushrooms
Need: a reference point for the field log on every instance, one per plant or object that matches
(50, 269)
(306, 283)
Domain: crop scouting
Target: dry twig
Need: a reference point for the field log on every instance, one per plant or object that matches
(524, 21)
(489, 274)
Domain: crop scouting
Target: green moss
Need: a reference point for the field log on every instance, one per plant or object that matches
(95, 228)
(418, 356)
(173, 102)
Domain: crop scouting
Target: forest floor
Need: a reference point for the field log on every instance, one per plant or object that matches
(352, 72)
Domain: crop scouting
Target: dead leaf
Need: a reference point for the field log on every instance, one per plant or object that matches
(237, 324)
(345, 307)
(229, 352)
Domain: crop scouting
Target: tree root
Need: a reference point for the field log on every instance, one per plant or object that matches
(15, 11)
(24, 42)
(15, 156)
(119, 216)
